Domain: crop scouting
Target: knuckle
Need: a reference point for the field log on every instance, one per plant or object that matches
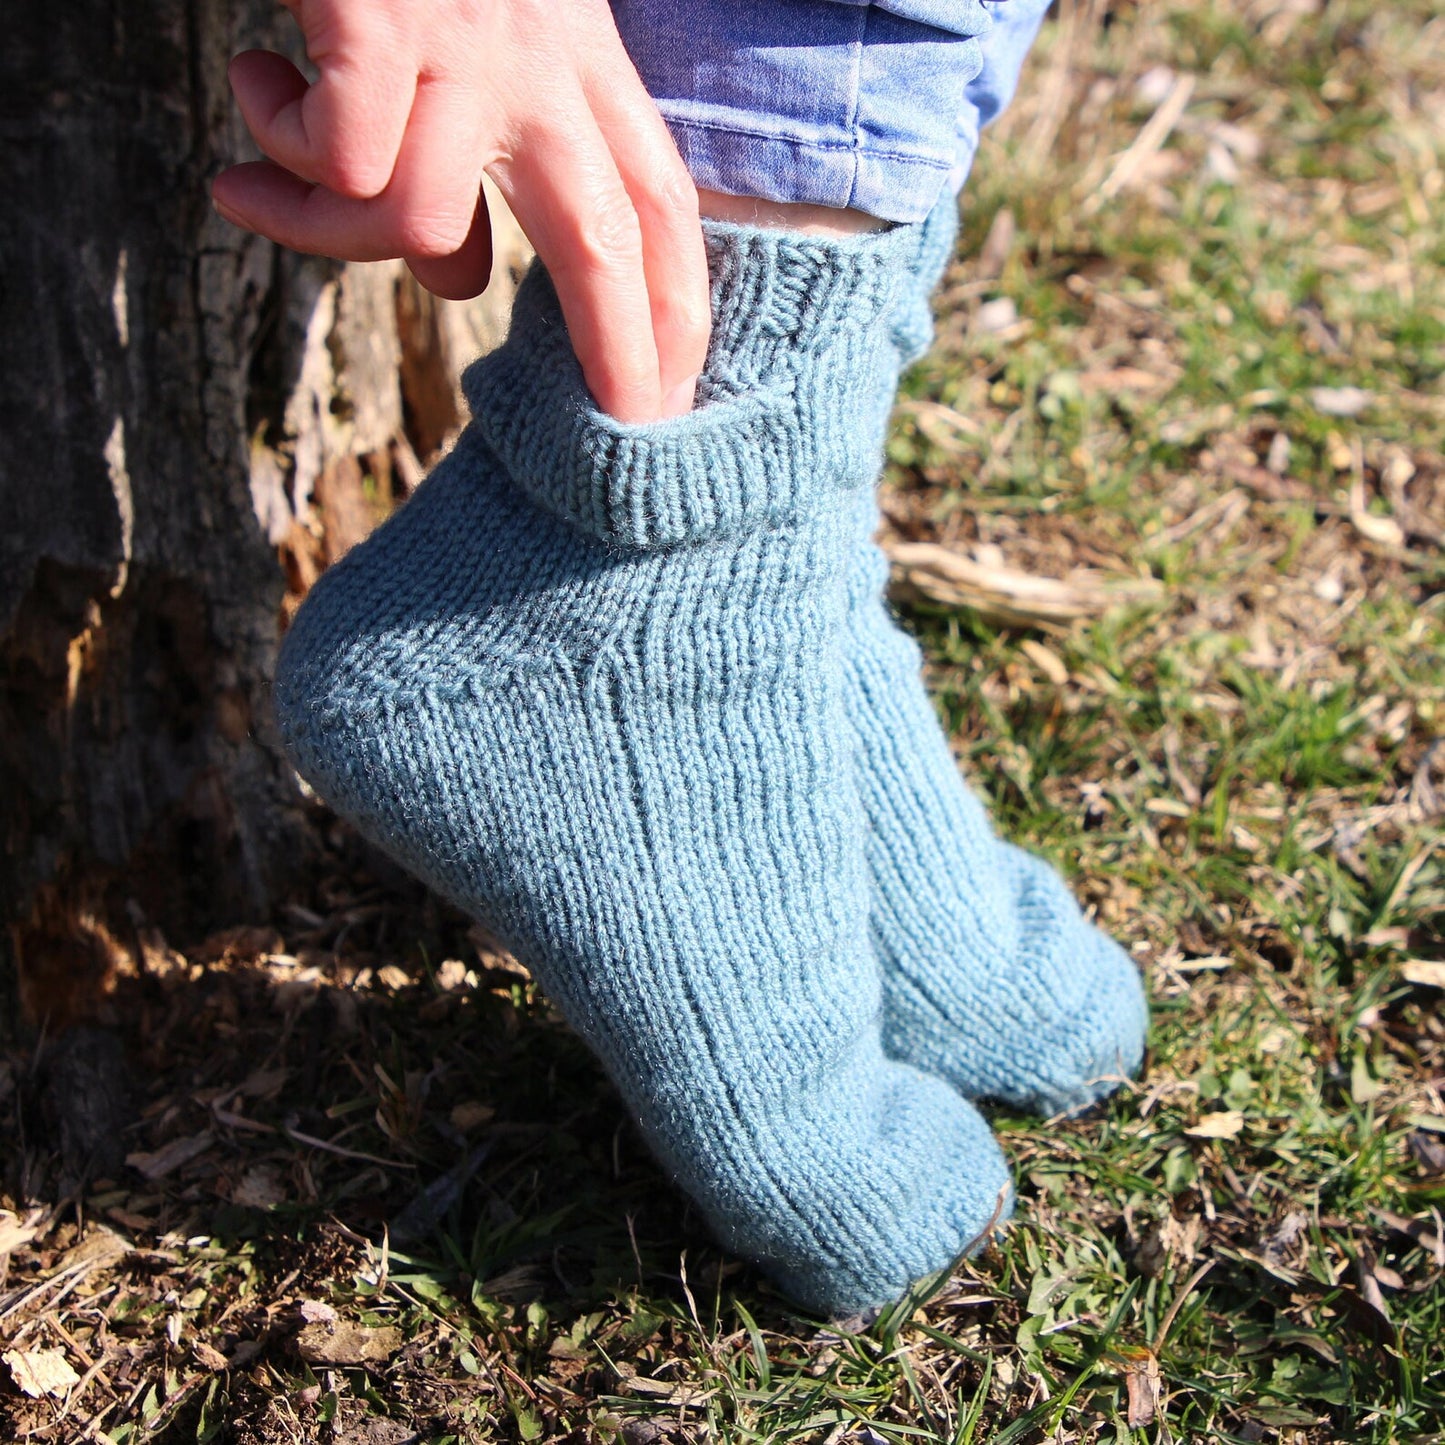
(357, 175)
(356, 184)
(692, 313)
(608, 234)
(675, 195)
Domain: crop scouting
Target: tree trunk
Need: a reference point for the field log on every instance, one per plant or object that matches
(185, 409)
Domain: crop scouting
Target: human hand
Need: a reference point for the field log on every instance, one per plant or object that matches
(383, 156)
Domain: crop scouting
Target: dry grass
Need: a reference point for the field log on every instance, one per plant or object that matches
(1197, 337)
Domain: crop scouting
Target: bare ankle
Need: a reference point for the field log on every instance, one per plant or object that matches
(801, 216)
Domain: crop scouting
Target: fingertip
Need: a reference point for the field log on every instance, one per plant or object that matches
(228, 193)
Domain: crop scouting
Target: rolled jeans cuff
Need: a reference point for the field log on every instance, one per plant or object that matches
(847, 103)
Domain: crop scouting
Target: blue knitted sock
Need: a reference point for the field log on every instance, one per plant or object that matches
(993, 979)
(587, 684)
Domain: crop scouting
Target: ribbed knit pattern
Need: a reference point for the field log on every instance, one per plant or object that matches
(587, 683)
(992, 977)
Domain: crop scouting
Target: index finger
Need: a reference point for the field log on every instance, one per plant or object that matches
(564, 188)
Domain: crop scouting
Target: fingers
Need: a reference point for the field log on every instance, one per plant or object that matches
(262, 197)
(342, 131)
(674, 259)
(565, 190)
(429, 210)
(370, 162)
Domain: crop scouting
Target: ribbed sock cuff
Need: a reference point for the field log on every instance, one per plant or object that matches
(791, 404)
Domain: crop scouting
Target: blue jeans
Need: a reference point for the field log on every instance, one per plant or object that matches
(842, 103)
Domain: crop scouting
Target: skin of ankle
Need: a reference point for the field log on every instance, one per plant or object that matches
(801, 216)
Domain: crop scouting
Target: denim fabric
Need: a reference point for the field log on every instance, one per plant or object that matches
(843, 103)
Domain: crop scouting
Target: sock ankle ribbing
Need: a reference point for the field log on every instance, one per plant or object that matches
(992, 977)
(587, 684)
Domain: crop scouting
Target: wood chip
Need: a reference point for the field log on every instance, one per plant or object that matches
(1339, 400)
(1228, 1124)
(1046, 660)
(1132, 164)
(38, 1373)
(1425, 971)
(1004, 595)
(339, 1342)
(471, 1114)
(1213, 963)
(171, 1155)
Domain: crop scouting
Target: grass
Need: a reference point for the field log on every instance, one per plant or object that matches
(1246, 783)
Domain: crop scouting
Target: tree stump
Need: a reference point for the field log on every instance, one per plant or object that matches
(196, 423)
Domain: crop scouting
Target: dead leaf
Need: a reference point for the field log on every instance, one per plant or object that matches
(1143, 1381)
(339, 1342)
(172, 1155)
(1420, 1231)
(1428, 1151)
(99, 1248)
(470, 1114)
(1171, 1241)
(38, 1373)
(1388, 1278)
(208, 1357)
(264, 1083)
(453, 973)
(1366, 1318)
(1278, 1244)
(1227, 1124)
(130, 1219)
(259, 1187)
(668, 1392)
(1181, 1237)
(993, 317)
(13, 1234)
(1368, 1273)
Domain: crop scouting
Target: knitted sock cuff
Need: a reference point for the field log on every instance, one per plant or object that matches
(913, 319)
(792, 403)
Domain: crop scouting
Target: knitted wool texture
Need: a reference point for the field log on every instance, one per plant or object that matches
(992, 977)
(588, 684)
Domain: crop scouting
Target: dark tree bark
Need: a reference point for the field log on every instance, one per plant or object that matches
(178, 401)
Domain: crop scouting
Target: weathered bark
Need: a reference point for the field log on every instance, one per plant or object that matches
(176, 398)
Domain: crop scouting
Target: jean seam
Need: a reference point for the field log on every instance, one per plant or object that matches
(823, 147)
(855, 93)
